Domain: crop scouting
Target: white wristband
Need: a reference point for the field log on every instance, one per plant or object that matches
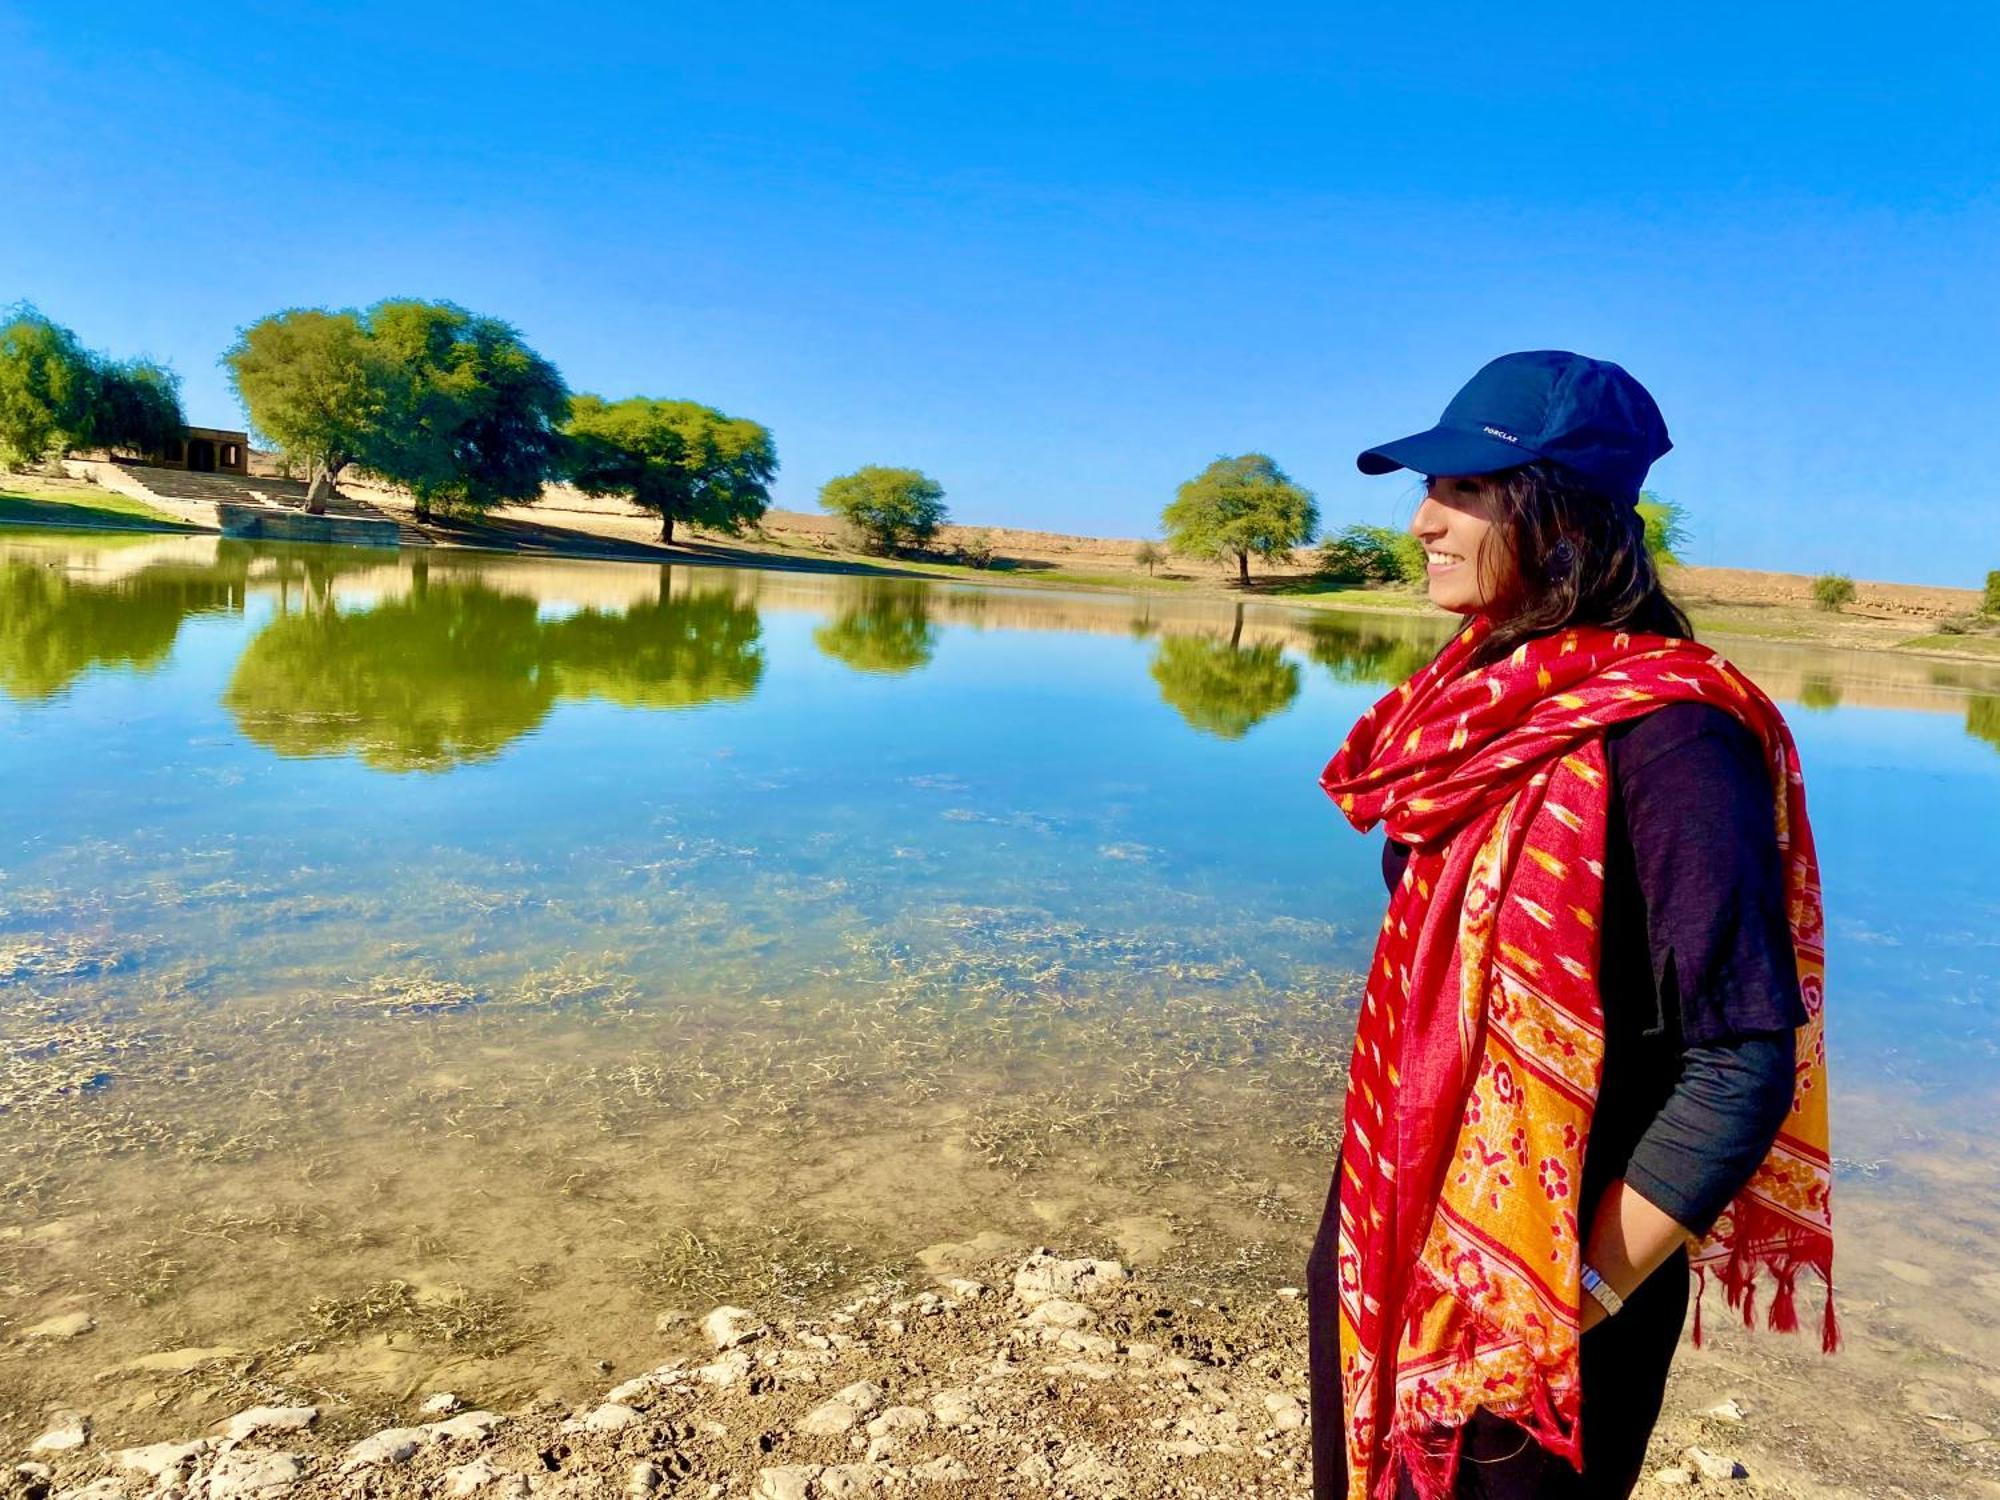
(1599, 1288)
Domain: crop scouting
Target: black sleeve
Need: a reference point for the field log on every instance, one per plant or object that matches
(1394, 857)
(1715, 1128)
(1700, 809)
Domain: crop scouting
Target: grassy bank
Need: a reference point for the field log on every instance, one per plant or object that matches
(25, 503)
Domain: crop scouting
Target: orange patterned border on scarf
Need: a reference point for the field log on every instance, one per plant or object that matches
(1480, 1045)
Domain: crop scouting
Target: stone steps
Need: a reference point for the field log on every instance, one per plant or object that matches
(198, 498)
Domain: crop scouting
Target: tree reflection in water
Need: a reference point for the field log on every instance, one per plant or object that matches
(452, 674)
(887, 629)
(456, 671)
(1819, 693)
(1982, 718)
(54, 628)
(1222, 687)
(1388, 653)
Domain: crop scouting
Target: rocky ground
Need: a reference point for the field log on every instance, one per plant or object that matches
(1036, 1377)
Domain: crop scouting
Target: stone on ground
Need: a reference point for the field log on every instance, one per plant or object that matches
(727, 1327)
(67, 1431)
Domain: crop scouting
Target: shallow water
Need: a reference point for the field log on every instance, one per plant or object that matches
(435, 967)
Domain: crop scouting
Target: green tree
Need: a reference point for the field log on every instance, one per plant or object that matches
(1371, 554)
(1222, 688)
(48, 387)
(1990, 604)
(1831, 591)
(893, 509)
(450, 404)
(473, 417)
(1237, 506)
(316, 388)
(55, 395)
(137, 408)
(1666, 526)
(886, 628)
(680, 460)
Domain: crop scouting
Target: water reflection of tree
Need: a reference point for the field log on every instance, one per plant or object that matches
(698, 648)
(1357, 652)
(1221, 687)
(303, 572)
(421, 683)
(1819, 692)
(54, 628)
(887, 629)
(1982, 718)
(455, 671)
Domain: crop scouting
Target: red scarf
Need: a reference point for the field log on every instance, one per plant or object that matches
(1480, 1045)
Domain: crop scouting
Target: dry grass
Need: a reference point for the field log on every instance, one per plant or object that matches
(465, 1322)
(418, 993)
(789, 1262)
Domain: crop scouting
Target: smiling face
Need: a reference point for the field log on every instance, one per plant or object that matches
(1471, 567)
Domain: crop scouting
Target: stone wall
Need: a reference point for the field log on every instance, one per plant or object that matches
(267, 523)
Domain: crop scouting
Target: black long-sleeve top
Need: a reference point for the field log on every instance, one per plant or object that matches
(1699, 981)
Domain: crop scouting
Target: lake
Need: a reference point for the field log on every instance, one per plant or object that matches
(437, 966)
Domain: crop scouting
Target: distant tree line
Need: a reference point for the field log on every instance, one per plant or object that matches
(56, 395)
(453, 406)
(457, 409)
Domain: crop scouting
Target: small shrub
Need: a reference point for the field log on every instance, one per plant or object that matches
(1990, 605)
(1410, 561)
(1666, 526)
(1832, 591)
(1149, 555)
(1371, 554)
(976, 551)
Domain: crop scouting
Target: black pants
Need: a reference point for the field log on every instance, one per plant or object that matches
(1625, 1362)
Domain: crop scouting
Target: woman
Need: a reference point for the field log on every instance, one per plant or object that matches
(1589, 1049)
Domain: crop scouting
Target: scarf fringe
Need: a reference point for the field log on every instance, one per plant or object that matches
(1768, 1243)
(1431, 1458)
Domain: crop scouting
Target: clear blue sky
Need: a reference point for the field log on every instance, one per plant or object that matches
(1062, 256)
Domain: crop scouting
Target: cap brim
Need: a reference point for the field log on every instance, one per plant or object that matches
(1446, 450)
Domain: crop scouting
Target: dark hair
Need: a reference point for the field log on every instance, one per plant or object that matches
(1580, 558)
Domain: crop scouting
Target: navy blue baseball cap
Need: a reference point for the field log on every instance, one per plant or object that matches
(1587, 415)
